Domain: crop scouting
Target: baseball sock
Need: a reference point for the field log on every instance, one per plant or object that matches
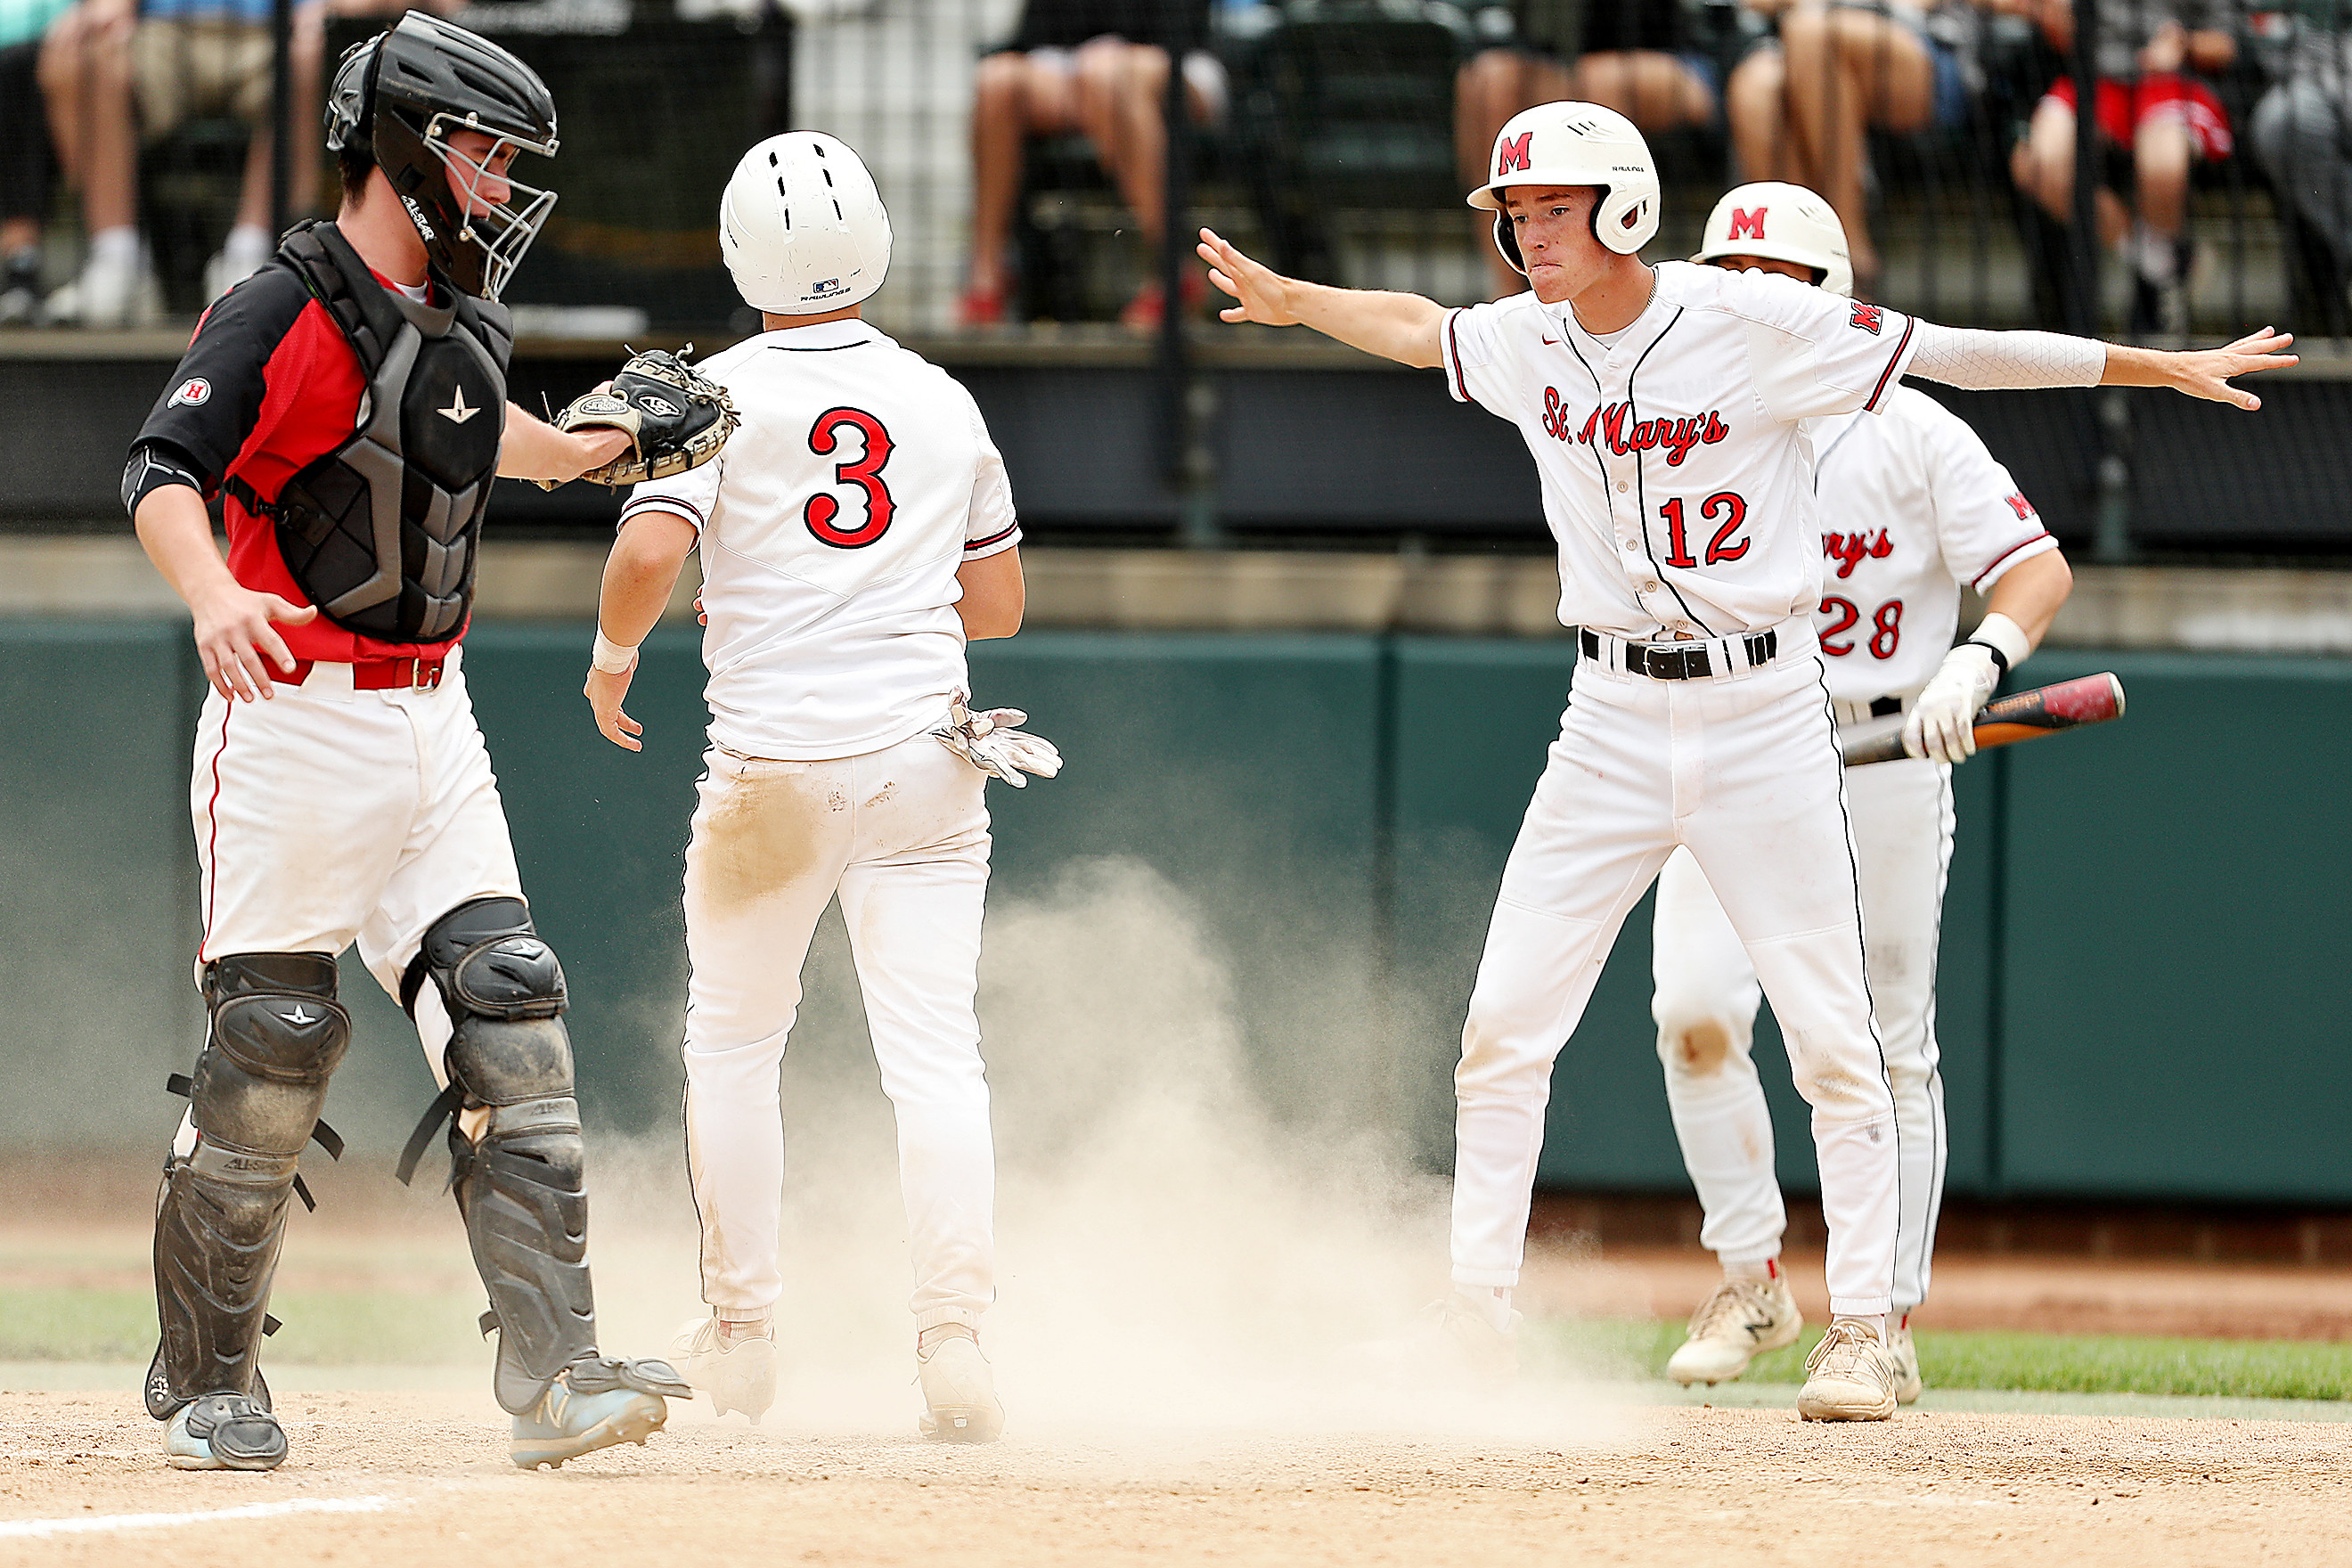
(1761, 1268)
(752, 1326)
(117, 244)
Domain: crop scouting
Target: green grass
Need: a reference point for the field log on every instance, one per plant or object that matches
(322, 1328)
(363, 1327)
(2061, 1363)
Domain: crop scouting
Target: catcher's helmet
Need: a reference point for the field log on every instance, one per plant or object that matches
(1572, 143)
(398, 95)
(802, 226)
(1783, 222)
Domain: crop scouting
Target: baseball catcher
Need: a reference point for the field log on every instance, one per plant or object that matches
(347, 401)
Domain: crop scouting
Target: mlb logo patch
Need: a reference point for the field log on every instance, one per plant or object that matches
(192, 392)
(1869, 318)
(827, 286)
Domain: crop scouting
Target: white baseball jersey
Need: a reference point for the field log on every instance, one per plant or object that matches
(1912, 506)
(831, 528)
(1675, 475)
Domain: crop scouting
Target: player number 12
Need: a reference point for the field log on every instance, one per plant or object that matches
(1724, 504)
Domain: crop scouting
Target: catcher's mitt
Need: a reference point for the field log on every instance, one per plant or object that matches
(676, 417)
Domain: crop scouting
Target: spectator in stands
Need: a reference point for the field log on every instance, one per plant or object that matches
(2148, 103)
(1636, 56)
(25, 158)
(123, 74)
(1799, 106)
(1099, 67)
(2302, 129)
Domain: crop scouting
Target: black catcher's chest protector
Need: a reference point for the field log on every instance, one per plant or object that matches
(382, 533)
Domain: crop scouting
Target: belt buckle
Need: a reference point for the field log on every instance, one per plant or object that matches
(424, 676)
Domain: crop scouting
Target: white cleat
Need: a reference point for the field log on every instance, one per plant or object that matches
(1849, 1376)
(959, 1403)
(738, 1372)
(1455, 1342)
(110, 291)
(1740, 1322)
(1904, 1354)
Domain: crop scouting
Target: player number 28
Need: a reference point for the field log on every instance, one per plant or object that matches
(865, 473)
(1723, 505)
(1886, 623)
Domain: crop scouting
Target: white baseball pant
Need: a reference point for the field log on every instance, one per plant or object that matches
(1745, 772)
(901, 835)
(327, 815)
(1706, 1008)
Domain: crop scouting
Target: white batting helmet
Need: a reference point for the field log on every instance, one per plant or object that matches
(1784, 222)
(802, 226)
(1572, 143)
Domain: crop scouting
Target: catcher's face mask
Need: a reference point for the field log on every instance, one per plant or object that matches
(496, 217)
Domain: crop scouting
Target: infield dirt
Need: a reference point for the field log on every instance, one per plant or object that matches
(1641, 1486)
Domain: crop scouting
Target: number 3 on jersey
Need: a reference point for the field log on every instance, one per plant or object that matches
(865, 473)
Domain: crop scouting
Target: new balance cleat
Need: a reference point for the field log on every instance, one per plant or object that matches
(223, 1432)
(960, 1402)
(592, 1404)
(737, 1371)
(1740, 1322)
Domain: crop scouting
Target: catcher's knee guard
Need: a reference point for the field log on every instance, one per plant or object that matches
(519, 1185)
(276, 1033)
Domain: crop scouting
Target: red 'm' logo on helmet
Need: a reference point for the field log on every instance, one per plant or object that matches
(1511, 154)
(1751, 224)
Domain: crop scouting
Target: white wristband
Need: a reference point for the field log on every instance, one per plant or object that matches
(611, 657)
(1999, 632)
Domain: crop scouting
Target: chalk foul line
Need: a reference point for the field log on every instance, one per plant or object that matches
(93, 1524)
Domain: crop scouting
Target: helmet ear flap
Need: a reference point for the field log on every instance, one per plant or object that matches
(1508, 243)
(1625, 220)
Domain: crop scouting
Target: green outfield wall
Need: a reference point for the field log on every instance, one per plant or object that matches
(2142, 987)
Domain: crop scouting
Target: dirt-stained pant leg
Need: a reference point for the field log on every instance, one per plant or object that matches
(902, 835)
(1707, 991)
(1704, 1004)
(1766, 822)
(770, 840)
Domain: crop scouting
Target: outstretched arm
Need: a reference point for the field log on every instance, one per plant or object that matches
(1402, 327)
(1964, 356)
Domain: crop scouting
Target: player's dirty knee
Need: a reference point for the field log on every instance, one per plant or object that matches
(1703, 1048)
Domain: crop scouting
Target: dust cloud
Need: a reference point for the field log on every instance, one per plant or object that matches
(1176, 1257)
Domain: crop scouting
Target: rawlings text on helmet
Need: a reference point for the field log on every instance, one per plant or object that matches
(1569, 144)
(802, 226)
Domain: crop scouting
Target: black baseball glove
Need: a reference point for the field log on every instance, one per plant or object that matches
(676, 417)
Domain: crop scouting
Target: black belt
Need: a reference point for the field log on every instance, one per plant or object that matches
(1680, 663)
(1880, 707)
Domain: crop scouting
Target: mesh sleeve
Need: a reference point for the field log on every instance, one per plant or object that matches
(1981, 361)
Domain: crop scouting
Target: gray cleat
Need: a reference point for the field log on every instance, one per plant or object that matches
(225, 1432)
(596, 1403)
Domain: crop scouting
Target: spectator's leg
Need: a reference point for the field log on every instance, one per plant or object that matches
(109, 130)
(1654, 91)
(1007, 91)
(2160, 157)
(1848, 69)
(2044, 164)
(1495, 85)
(1756, 101)
(307, 62)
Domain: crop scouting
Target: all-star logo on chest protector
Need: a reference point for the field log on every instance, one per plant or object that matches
(382, 532)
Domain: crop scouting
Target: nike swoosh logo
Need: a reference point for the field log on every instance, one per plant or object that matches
(1551, 343)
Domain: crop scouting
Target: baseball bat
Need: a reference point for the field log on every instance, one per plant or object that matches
(2020, 716)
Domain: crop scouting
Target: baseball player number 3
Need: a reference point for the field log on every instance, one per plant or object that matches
(865, 473)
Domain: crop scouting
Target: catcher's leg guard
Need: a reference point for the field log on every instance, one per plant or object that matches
(276, 1034)
(519, 1185)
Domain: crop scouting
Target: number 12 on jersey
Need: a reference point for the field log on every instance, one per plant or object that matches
(1722, 504)
(865, 473)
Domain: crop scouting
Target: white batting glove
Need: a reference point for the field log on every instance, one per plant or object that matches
(988, 742)
(1942, 724)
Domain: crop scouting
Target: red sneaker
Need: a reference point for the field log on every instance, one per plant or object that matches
(980, 308)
